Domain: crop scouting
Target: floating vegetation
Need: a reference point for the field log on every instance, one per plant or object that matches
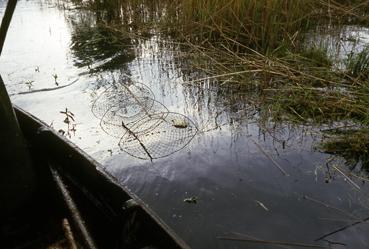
(55, 76)
(71, 125)
(29, 84)
(353, 145)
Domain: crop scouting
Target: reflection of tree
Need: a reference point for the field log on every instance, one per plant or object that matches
(105, 38)
(103, 32)
(101, 37)
(99, 47)
(137, 13)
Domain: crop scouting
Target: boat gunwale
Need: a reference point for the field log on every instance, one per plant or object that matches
(41, 132)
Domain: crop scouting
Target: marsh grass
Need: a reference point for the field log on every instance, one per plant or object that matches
(358, 64)
(353, 145)
(265, 24)
(260, 24)
(256, 46)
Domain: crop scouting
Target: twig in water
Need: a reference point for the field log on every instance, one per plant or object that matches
(262, 205)
(342, 228)
(329, 206)
(348, 178)
(255, 238)
(222, 75)
(270, 158)
(359, 177)
(271, 242)
(139, 141)
(334, 243)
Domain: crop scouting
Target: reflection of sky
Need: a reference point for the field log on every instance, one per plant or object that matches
(340, 41)
(230, 177)
(229, 168)
(41, 43)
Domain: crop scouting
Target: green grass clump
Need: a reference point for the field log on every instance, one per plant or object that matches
(353, 145)
(358, 64)
(261, 24)
(317, 57)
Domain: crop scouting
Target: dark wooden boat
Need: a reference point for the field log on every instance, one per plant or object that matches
(54, 196)
(74, 194)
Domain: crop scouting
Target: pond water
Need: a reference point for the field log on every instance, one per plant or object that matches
(194, 151)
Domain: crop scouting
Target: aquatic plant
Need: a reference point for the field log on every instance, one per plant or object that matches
(353, 145)
(70, 122)
(358, 64)
(264, 24)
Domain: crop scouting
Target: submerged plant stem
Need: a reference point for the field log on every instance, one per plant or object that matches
(271, 242)
(270, 158)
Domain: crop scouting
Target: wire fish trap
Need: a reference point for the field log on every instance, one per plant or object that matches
(134, 98)
(111, 122)
(157, 136)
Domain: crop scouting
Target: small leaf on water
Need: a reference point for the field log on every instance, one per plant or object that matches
(192, 200)
(180, 123)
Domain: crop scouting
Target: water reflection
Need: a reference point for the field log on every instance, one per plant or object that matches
(223, 138)
(96, 45)
(339, 41)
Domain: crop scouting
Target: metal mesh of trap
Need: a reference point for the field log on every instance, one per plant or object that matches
(130, 99)
(111, 122)
(158, 136)
(147, 130)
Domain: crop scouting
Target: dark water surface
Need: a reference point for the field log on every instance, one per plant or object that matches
(206, 143)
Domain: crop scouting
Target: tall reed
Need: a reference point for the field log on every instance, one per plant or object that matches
(258, 23)
(265, 24)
